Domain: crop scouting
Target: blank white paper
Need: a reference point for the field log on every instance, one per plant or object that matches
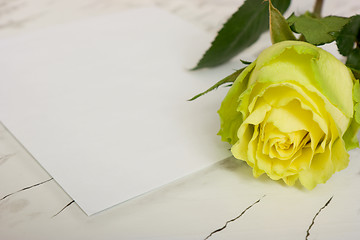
(102, 104)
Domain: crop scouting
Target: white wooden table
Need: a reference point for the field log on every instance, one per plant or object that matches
(204, 205)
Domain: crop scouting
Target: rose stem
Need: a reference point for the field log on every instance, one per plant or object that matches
(318, 8)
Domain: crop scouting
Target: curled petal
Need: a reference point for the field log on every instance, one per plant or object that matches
(230, 118)
(323, 166)
(324, 72)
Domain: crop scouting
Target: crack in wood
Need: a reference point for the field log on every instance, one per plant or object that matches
(67, 205)
(25, 188)
(313, 220)
(234, 219)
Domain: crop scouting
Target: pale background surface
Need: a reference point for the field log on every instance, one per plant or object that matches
(31, 204)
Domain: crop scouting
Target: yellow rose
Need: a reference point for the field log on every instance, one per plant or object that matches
(290, 114)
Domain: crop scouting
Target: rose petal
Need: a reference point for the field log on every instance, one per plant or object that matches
(247, 133)
(230, 118)
(324, 165)
(324, 68)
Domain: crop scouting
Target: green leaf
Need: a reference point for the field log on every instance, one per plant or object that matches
(229, 79)
(353, 60)
(243, 29)
(348, 36)
(245, 62)
(279, 28)
(348, 44)
(317, 31)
